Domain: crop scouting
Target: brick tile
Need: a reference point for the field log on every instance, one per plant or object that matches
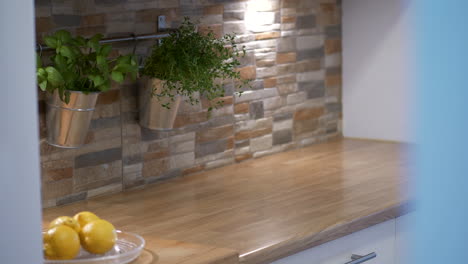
(332, 46)
(213, 10)
(305, 126)
(241, 108)
(93, 20)
(288, 19)
(193, 170)
(267, 35)
(308, 113)
(243, 157)
(97, 158)
(109, 97)
(288, 57)
(269, 82)
(248, 73)
(214, 133)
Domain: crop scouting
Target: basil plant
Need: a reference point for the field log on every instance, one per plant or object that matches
(80, 64)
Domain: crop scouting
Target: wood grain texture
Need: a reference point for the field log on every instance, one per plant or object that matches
(175, 252)
(270, 207)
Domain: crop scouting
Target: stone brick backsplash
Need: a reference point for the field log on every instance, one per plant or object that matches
(293, 56)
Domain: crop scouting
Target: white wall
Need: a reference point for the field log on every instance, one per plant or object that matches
(20, 213)
(376, 78)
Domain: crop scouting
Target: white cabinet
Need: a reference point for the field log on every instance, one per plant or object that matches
(402, 245)
(379, 239)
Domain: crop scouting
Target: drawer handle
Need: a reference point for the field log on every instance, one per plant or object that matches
(357, 259)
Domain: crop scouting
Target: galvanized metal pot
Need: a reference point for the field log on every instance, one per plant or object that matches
(152, 114)
(68, 124)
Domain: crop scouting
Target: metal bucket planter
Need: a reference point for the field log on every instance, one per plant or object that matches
(68, 124)
(152, 114)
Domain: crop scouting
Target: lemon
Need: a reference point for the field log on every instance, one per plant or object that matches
(85, 217)
(98, 236)
(65, 220)
(61, 242)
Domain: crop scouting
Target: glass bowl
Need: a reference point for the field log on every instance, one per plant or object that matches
(127, 248)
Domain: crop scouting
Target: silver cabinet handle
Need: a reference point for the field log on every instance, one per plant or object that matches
(357, 259)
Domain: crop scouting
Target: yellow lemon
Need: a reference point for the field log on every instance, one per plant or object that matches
(61, 242)
(98, 236)
(65, 220)
(85, 217)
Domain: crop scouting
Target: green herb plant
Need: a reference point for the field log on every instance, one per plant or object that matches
(80, 64)
(190, 62)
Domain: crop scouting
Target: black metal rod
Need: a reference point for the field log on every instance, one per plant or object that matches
(114, 40)
(356, 259)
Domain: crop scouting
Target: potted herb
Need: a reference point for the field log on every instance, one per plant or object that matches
(80, 69)
(187, 64)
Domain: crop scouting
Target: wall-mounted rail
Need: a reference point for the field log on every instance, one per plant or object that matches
(41, 47)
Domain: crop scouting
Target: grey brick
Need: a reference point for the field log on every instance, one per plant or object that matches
(167, 175)
(132, 159)
(334, 70)
(218, 121)
(333, 107)
(105, 122)
(234, 28)
(314, 89)
(67, 20)
(286, 44)
(148, 134)
(109, 2)
(188, 10)
(72, 198)
(42, 2)
(257, 84)
(282, 137)
(234, 15)
(308, 21)
(310, 54)
(331, 129)
(209, 148)
(282, 116)
(333, 31)
(229, 89)
(256, 110)
(97, 158)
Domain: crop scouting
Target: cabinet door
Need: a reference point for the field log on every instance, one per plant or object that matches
(379, 239)
(402, 244)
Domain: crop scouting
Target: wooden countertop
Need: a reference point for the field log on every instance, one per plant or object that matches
(266, 208)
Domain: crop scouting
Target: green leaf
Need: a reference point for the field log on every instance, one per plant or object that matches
(117, 76)
(43, 85)
(127, 59)
(60, 61)
(124, 68)
(104, 87)
(79, 41)
(54, 77)
(63, 35)
(67, 52)
(40, 72)
(94, 41)
(38, 61)
(101, 63)
(50, 42)
(105, 50)
(98, 80)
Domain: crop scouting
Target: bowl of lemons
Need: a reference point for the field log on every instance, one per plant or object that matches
(87, 239)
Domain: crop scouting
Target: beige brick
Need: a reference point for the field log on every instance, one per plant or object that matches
(288, 57)
(267, 35)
